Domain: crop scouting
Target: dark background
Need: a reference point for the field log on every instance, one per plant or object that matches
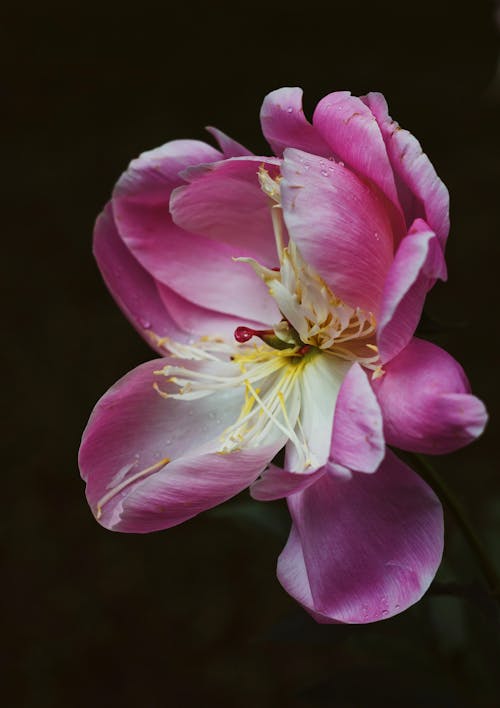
(195, 615)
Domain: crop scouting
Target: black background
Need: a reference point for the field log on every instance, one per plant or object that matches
(195, 615)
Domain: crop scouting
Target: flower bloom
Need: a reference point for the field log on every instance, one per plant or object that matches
(282, 294)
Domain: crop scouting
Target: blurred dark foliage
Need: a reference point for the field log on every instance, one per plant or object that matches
(195, 616)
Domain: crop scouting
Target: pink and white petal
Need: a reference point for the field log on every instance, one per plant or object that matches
(418, 263)
(352, 132)
(132, 287)
(285, 125)
(363, 549)
(357, 437)
(190, 485)
(195, 267)
(426, 402)
(229, 147)
(205, 273)
(421, 192)
(320, 383)
(225, 202)
(150, 178)
(133, 429)
(200, 321)
(340, 225)
(276, 483)
(175, 258)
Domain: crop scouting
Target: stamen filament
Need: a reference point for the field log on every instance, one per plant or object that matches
(118, 488)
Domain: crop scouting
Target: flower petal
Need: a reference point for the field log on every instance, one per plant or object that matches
(205, 273)
(150, 178)
(131, 286)
(340, 225)
(352, 132)
(357, 438)
(320, 383)
(276, 483)
(285, 125)
(225, 202)
(199, 320)
(133, 432)
(419, 261)
(426, 403)
(362, 549)
(229, 147)
(196, 268)
(421, 192)
(189, 486)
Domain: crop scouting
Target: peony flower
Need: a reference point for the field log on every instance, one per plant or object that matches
(282, 294)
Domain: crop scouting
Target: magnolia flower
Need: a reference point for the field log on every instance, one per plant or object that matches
(282, 294)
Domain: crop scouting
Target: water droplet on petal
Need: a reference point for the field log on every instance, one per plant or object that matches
(144, 322)
(289, 109)
(341, 164)
(324, 173)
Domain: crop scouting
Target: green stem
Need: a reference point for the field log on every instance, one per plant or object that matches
(446, 495)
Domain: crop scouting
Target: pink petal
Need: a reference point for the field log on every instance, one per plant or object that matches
(199, 320)
(192, 266)
(419, 261)
(196, 268)
(352, 132)
(133, 429)
(421, 192)
(229, 147)
(204, 272)
(150, 178)
(285, 125)
(276, 483)
(188, 486)
(225, 202)
(340, 225)
(362, 549)
(426, 403)
(131, 286)
(357, 438)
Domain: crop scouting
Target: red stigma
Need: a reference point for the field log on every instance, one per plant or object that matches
(244, 334)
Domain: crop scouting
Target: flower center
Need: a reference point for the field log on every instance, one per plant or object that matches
(290, 379)
(269, 378)
(312, 314)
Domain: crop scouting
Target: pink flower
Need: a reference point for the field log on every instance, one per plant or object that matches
(283, 295)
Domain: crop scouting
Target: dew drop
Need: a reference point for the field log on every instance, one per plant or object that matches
(324, 173)
(144, 322)
(289, 109)
(341, 164)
